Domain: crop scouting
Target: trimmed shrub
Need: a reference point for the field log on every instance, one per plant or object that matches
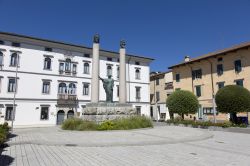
(182, 102)
(232, 99)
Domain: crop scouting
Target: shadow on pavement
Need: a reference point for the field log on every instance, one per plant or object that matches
(5, 159)
(10, 135)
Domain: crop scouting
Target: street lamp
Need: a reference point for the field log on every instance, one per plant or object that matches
(14, 98)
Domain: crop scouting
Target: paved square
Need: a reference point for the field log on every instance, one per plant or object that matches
(162, 145)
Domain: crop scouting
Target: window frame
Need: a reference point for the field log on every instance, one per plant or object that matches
(197, 74)
(138, 93)
(241, 81)
(15, 85)
(86, 68)
(237, 66)
(16, 61)
(46, 64)
(41, 118)
(198, 93)
(74, 68)
(157, 96)
(157, 81)
(85, 91)
(9, 114)
(220, 83)
(220, 69)
(1, 55)
(63, 89)
(43, 92)
(137, 74)
(177, 77)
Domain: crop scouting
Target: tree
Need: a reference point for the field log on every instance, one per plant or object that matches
(182, 102)
(232, 99)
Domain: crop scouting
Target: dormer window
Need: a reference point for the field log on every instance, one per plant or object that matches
(87, 55)
(137, 63)
(1, 42)
(48, 49)
(109, 59)
(14, 44)
(220, 59)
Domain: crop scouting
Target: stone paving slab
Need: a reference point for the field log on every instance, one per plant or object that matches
(149, 136)
(223, 148)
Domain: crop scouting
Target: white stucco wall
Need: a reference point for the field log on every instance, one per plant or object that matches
(29, 97)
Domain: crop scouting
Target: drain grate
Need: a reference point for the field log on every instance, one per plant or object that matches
(70, 145)
(193, 153)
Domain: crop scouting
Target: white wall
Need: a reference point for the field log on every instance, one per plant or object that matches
(31, 73)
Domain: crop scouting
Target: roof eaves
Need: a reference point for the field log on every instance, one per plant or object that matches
(69, 44)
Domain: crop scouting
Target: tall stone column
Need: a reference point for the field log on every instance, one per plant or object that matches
(122, 75)
(95, 70)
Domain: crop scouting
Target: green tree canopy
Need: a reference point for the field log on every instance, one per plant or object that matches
(233, 99)
(182, 102)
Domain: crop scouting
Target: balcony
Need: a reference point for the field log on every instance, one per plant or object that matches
(67, 100)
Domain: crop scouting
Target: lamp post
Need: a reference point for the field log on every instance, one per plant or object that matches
(14, 98)
(214, 109)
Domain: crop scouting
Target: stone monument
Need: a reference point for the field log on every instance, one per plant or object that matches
(108, 110)
(108, 85)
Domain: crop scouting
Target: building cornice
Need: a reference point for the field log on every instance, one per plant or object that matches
(214, 54)
(59, 75)
(62, 45)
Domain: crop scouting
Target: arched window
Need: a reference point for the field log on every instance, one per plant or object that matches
(68, 65)
(72, 89)
(62, 88)
(47, 63)
(109, 70)
(13, 59)
(86, 68)
(1, 58)
(137, 74)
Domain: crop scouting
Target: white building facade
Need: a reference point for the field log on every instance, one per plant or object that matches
(53, 80)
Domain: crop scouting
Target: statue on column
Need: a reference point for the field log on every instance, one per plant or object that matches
(96, 38)
(122, 43)
(108, 85)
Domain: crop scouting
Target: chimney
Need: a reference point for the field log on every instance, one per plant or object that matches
(187, 58)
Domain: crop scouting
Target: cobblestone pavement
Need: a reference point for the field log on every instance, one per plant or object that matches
(162, 145)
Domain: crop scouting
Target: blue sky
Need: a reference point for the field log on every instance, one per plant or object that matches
(166, 30)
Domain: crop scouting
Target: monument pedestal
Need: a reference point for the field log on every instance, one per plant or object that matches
(99, 112)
